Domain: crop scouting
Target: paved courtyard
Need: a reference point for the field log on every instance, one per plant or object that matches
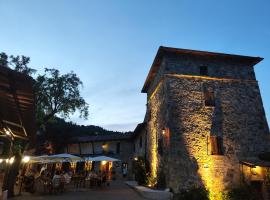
(116, 191)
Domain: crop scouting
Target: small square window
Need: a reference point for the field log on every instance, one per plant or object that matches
(204, 70)
(209, 98)
(134, 147)
(118, 147)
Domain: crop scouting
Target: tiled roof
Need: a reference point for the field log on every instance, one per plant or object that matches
(100, 138)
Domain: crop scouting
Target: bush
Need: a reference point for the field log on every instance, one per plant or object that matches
(161, 180)
(244, 192)
(193, 194)
(140, 171)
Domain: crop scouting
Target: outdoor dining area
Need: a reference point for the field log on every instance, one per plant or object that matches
(55, 174)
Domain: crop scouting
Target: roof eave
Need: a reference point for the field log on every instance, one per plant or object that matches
(160, 53)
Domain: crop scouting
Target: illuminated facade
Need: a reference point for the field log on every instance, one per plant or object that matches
(204, 116)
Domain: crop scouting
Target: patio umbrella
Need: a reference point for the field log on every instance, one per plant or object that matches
(57, 158)
(101, 158)
(65, 157)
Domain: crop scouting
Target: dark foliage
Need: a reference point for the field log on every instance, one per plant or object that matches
(140, 171)
(244, 192)
(57, 129)
(195, 193)
(161, 181)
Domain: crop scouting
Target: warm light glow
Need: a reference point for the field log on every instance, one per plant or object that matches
(105, 147)
(207, 78)
(1, 160)
(154, 157)
(26, 159)
(11, 160)
(7, 132)
(136, 158)
(103, 162)
(163, 132)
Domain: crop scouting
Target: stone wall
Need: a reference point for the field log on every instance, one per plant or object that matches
(238, 117)
(176, 102)
(139, 144)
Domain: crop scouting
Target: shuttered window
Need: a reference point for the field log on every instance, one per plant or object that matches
(209, 98)
(216, 145)
(160, 146)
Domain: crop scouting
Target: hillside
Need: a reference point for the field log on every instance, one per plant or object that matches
(58, 130)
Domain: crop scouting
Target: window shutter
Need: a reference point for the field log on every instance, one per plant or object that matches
(160, 146)
(216, 145)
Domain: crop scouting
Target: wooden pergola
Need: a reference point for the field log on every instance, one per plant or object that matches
(17, 120)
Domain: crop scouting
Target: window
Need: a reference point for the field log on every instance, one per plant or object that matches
(118, 147)
(204, 70)
(134, 147)
(140, 141)
(160, 146)
(209, 98)
(216, 145)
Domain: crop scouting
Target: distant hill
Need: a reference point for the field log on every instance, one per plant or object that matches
(59, 131)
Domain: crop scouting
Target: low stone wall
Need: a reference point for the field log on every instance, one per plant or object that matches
(150, 193)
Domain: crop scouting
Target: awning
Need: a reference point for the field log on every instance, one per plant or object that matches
(255, 162)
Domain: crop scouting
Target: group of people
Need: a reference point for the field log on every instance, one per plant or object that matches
(101, 177)
(56, 182)
(50, 182)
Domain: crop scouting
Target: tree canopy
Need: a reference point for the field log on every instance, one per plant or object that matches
(59, 94)
(55, 93)
(19, 63)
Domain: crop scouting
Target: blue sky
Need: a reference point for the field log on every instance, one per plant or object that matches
(111, 44)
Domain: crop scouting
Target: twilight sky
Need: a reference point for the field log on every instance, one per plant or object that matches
(111, 44)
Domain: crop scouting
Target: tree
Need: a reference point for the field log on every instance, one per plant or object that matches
(3, 59)
(20, 64)
(58, 94)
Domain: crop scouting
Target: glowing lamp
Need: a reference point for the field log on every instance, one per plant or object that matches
(11, 160)
(1, 160)
(103, 162)
(26, 159)
(254, 170)
(7, 132)
(163, 132)
(136, 158)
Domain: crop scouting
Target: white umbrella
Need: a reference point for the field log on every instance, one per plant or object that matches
(65, 157)
(55, 158)
(101, 158)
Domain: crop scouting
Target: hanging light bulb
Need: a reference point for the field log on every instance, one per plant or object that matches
(26, 159)
(11, 160)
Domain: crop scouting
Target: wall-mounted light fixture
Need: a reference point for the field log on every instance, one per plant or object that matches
(163, 132)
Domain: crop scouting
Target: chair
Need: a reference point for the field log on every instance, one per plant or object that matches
(56, 184)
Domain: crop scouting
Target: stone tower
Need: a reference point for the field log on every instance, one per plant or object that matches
(204, 116)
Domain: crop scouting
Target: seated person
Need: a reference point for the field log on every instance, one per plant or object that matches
(67, 178)
(56, 179)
